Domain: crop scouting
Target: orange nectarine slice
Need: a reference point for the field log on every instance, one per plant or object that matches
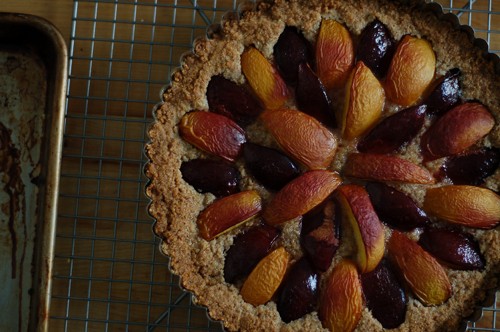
(334, 54)
(369, 236)
(302, 137)
(228, 212)
(411, 71)
(213, 133)
(300, 196)
(266, 277)
(364, 102)
(379, 167)
(422, 272)
(457, 130)
(341, 302)
(264, 79)
(464, 205)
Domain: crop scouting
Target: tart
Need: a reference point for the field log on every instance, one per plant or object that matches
(331, 166)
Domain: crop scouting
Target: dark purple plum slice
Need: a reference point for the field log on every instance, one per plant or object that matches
(376, 47)
(384, 295)
(269, 166)
(299, 291)
(232, 100)
(445, 94)
(472, 168)
(213, 176)
(247, 250)
(311, 96)
(394, 131)
(455, 249)
(395, 208)
(290, 50)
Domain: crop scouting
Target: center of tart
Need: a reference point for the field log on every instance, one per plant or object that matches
(336, 164)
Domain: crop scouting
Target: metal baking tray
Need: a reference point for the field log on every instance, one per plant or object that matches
(33, 76)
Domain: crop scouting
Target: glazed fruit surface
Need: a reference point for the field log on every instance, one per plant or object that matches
(344, 173)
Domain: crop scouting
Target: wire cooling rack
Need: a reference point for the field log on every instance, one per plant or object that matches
(108, 272)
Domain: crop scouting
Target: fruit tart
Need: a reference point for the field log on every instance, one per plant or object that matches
(331, 165)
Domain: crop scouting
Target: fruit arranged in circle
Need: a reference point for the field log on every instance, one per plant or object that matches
(319, 216)
(304, 193)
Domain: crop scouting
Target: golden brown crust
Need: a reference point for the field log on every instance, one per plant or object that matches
(175, 204)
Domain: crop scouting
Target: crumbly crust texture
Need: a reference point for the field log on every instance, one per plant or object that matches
(175, 204)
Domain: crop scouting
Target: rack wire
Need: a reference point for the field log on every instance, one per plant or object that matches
(108, 272)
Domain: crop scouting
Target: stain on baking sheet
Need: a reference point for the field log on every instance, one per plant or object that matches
(22, 104)
(10, 169)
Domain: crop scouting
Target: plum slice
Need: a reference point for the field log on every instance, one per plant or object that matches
(384, 295)
(394, 131)
(290, 50)
(247, 250)
(376, 47)
(299, 292)
(458, 250)
(472, 168)
(232, 100)
(214, 176)
(311, 96)
(395, 208)
(320, 236)
(269, 166)
(446, 92)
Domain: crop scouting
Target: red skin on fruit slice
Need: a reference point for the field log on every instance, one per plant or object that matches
(213, 133)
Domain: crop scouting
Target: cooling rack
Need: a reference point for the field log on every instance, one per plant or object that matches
(108, 272)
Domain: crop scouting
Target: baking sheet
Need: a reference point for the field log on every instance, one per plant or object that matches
(32, 90)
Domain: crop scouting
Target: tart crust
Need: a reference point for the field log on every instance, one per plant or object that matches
(175, 204)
